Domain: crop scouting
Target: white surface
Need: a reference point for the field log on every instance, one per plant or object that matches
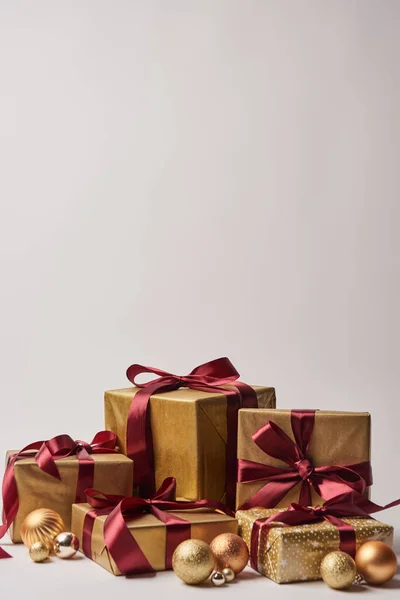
(188, 179)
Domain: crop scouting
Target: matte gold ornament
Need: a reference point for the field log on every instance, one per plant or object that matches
(218, 579)
(193, 561)
(39, 551)
(41, 525)
(376, 562)
(230, 551)
(338, 570)
(228, 574)
(66, 545)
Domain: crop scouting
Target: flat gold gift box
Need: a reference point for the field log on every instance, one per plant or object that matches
(150, 533)
(287, 554)
(113, 474)
(189, 436)
(339, 438)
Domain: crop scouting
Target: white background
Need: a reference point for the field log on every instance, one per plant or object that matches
(185, 179)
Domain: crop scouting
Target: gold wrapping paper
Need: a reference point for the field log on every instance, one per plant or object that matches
(113, 474)
(150, 533)
(189, 436)
(339, 438)
(294, 553)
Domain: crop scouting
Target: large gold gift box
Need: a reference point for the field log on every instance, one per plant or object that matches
(294, 553)
(189, 436)
(338, 438)
(113, 474)
(150, 533)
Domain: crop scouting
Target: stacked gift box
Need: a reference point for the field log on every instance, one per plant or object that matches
(180, 454)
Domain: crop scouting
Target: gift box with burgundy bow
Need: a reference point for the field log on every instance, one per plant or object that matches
(185, 427)
(55, 473)
(301, 456)
(288, 545)
(131, 535)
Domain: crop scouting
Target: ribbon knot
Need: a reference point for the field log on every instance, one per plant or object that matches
(304, 468)
(83, 446)
(327, 481)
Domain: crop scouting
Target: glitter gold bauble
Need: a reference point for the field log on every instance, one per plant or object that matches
(338, 570)
(228, 574)
(39, 551)
(376, 562)
(217, 579)
(193, 561)
(41, 525)
(230, 551)
(66, 545)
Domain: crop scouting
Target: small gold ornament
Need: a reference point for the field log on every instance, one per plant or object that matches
(193, 561)
(228, 574)
(376, 562)
(66, 545)
(39, 551)
(41, 525)
(338, 570)
(217, 579)
(230, 551)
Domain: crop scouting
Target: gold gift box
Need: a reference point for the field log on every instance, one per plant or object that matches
(150, 533)
(294, 553)
(338, 438)
(113, 474)
(189, 436)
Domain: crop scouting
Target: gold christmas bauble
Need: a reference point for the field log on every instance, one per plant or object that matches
(218, 579)
(376, 562)
(41, 525)
(338, 570)
(193, 561)
(228, 574)
(39, 551)
(66, 545)
(230, 551)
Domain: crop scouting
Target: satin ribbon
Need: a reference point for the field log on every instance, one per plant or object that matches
(46, 453)
(212, 376)
(333, 510)
(119, 541)
(327, 481)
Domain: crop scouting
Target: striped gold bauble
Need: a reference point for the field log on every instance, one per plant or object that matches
(41, 525)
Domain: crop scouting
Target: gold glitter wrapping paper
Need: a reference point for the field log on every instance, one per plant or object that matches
(339, 438)
(189, 436)
(113, 474)
(151, 534)
(288, 554)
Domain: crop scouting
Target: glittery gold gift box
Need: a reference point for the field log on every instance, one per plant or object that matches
(287, 554)
(189, 436)
(338, 438)
(150, 533)
(113, 473)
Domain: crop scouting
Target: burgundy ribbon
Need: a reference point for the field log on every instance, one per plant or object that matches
(333, 510)
(46, 453)
(213, 376)
(119, 541)
(327, 481)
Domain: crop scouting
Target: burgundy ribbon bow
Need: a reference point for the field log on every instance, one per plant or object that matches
(328, 481)
(333, 510)
(119, 541)
(213, 376)
(46, 453)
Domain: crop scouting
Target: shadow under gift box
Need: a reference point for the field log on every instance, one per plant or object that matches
(294, 553)
(338, 438)
(189, 430)
(150, 533)
(113, 473)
